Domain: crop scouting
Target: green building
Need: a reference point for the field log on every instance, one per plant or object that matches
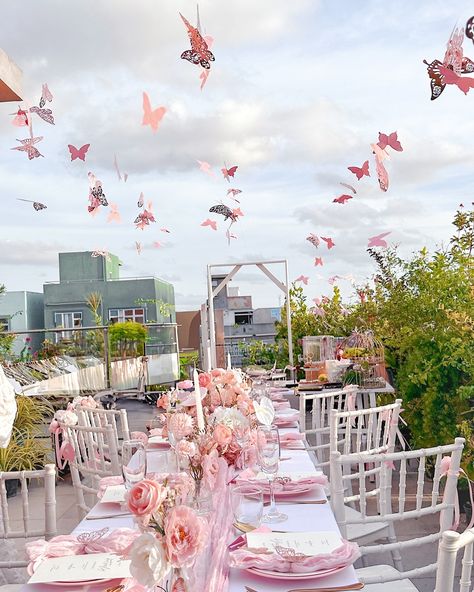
(144, 300)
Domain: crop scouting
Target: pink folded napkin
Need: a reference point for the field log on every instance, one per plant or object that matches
(284, 483)
(107, 482)
(292, 440)
(281, 405)
(286, 562)
(286, 418)
(118, 541)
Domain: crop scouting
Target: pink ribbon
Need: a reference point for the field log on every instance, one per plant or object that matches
(119, 541)
(445, 471)
(64, 452)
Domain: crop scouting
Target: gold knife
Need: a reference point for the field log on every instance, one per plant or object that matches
(357, 586)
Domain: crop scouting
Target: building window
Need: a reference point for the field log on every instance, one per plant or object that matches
(120, 315)
(243, 318)
(67, 320)
(4, 323)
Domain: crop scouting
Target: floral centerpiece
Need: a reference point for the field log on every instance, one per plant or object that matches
(172, 533)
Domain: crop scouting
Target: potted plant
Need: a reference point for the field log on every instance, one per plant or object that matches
(26, 450)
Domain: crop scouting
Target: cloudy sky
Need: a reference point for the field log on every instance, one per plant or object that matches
(297, 93)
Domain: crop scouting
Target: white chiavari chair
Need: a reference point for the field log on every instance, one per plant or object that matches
(98, 418)
(95, 456)
(317, 436)
(27, 527)
(365, 431)
(451, 542)
(428, 501)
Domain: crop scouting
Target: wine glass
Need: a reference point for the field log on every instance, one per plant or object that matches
(242, 435)
(133, 462)
(268, 454)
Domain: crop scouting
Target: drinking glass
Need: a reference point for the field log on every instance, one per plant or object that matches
(247, 504)
(242, 435)
(133, 462)
(268, 454)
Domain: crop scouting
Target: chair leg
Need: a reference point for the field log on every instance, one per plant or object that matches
(396, 557)
(365, 563)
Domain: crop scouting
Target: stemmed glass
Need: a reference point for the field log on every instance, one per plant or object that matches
(242, 435)
(268, 454)
(133, 462)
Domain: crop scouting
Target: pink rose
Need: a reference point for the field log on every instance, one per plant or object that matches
(222, 434)
(163, 401)
(140, 436)
(180, 425)
(210, 467)
(204, 379)
(217, 372)
(229, 377)
(145, 497)
(228, 396)
(245, 404)
(185, 535)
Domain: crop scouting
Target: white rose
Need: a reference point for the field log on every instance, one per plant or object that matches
(148, 560)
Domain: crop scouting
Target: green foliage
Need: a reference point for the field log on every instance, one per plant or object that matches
(259, 353)
(127, 339)
(95, 338)
(187, 360)
(6, 341)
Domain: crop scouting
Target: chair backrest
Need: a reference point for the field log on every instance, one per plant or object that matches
(427, 500)
(323, 403)
(98, 418)
(451, 542)
(372, 430)
(26, 529)
(95, 456)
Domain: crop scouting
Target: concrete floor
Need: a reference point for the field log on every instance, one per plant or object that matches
(138, 414)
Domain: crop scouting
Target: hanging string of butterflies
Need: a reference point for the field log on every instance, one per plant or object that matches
(454, 64)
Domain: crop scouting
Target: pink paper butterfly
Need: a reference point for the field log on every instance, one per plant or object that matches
(203, 77)
(342, 199)
(114, 214)
(362, 171)
(390, 140)
(205, 167)
(46, 93)
(329, 242)
(382, 174)
(318, 261)
(21, 118)
(303, 278)
(45, 114)
(349, 187)
(229, 172)
(27, 146)
(378, 240)
(138, 247)
(78, 152)
(211, 223)
(152, 117)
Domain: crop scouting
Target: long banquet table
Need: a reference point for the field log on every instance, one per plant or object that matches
(300, 518)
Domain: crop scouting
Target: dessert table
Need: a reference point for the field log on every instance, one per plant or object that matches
(301, 517)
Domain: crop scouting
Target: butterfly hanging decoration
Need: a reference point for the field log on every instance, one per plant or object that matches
(225, 211)
(101, 253)
(360, 172)
(453, 65)
(349, 187)
(229, 172)
(199, 53)
(152, 117)
(21, 118)
(378, 240)
(117, 169)
(342, 199)
(313, 239)
(138, 247)
(45, 96)
(96, 195)
(28, 146)
(144, 218)
(211, 223)
(141, 200)
(36, 204)
(45, 114)
(78, 153)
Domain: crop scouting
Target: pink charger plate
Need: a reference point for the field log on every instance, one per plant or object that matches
(278, 575)
(295, 492)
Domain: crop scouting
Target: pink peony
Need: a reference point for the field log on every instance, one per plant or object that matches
(180, 425)
(222, 434)
(185, 536)
(210, 467)
(217, 372)
(229, 377)
(145, 497)
(245, 404)
(204, 379)
(185, 449)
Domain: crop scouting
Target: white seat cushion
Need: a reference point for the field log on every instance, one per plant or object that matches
(362, 533)
(385, 571)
